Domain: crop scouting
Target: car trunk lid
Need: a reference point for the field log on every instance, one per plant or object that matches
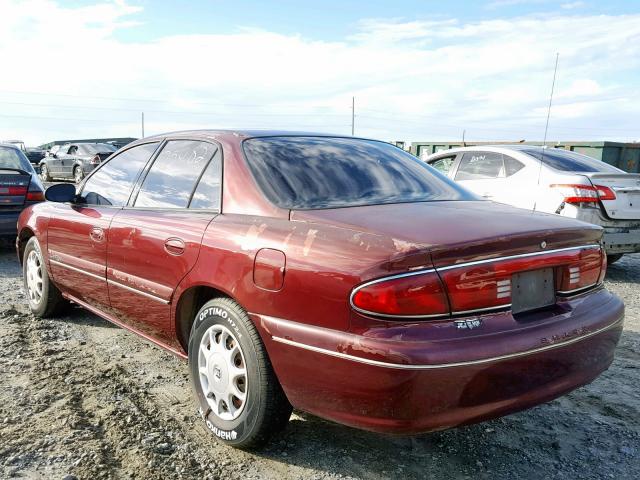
(626, 187)
(454, 232)
(14, 185)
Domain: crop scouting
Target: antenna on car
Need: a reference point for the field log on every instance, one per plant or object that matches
(546, 127)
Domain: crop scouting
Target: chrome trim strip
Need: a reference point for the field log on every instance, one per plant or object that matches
(377, 363)
(76, 269)
(511, 257)
(577, 290)
(139, 292)
(479, 310)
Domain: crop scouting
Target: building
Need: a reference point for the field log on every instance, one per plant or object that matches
(625, 156)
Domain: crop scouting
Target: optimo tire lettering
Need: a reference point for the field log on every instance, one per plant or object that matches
(222, 313)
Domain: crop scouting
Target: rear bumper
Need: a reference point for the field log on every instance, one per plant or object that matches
(9, 223)
(622, 239)
(432, 375)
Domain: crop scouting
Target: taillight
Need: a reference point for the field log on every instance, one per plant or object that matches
(95, 160)
(13, 191)
(416, 295)
(605, 193)
(35, 196)
(584, 193)
(583, 271)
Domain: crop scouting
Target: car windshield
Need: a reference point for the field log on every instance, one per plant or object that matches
(94, 148)
(12, 158)
(326, 172)
(567, 161)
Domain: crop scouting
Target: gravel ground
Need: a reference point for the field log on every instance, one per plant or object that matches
(81, 398)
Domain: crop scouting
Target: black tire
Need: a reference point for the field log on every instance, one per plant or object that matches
(50, 301)
(613, 258)
(266, 409)
(78, 174)
(44, 173)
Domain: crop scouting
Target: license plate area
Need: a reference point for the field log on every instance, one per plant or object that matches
(532, 290)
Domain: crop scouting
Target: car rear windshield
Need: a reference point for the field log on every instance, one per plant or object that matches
(11, 158)
(98, 148)
(567, 161)
(326, 172)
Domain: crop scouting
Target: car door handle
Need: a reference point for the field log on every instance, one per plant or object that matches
(97, 234)
(174, 246)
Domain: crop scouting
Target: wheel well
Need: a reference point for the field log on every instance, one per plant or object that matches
(23, 238)
(190, 302)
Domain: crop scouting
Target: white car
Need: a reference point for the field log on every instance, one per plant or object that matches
(555, 181)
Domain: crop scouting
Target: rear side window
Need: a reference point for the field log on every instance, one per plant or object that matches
(567, 161)
(443, 164)
(207, 194)
(479, 166)
(326, 172)
(511, 166)
(112, 183)
(172, 177)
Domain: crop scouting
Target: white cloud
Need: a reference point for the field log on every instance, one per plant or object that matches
(412, 79)
(572, 5)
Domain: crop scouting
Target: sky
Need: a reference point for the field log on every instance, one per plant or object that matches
(418, 70)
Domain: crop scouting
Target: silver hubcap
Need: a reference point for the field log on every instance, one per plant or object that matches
(78, 175)
(223, 372)
(43, 172)
(34, 277)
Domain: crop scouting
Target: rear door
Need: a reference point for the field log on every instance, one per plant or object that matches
(78, 233)
(155, 241)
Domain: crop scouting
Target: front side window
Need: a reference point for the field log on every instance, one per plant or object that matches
(479, 166)
(327, 172)
(174, 173)
(112, 183)
(443, 164)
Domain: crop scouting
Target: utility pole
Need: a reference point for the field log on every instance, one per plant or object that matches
(142, 124)
(353, 116)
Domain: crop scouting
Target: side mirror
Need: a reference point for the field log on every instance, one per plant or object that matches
(61, 192)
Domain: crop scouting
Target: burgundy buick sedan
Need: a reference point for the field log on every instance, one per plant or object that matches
(340, 276)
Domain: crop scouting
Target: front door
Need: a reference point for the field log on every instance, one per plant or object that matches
(156, 242)
(78, 233)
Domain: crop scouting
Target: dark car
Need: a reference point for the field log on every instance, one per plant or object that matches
(73, 161)
(340, 276)
(20, 187)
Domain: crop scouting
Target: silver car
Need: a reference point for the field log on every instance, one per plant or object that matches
(555, 181)
(73, 161)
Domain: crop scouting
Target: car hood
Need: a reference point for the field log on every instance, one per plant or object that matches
(459, 231)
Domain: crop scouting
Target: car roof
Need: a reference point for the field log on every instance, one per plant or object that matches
(245, 133)
(9, 145)
(496, 147)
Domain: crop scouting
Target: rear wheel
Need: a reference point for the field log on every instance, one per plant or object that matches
(43, 296)
(44, 173)
(241, 400)
(78, 174)
(613, 258)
